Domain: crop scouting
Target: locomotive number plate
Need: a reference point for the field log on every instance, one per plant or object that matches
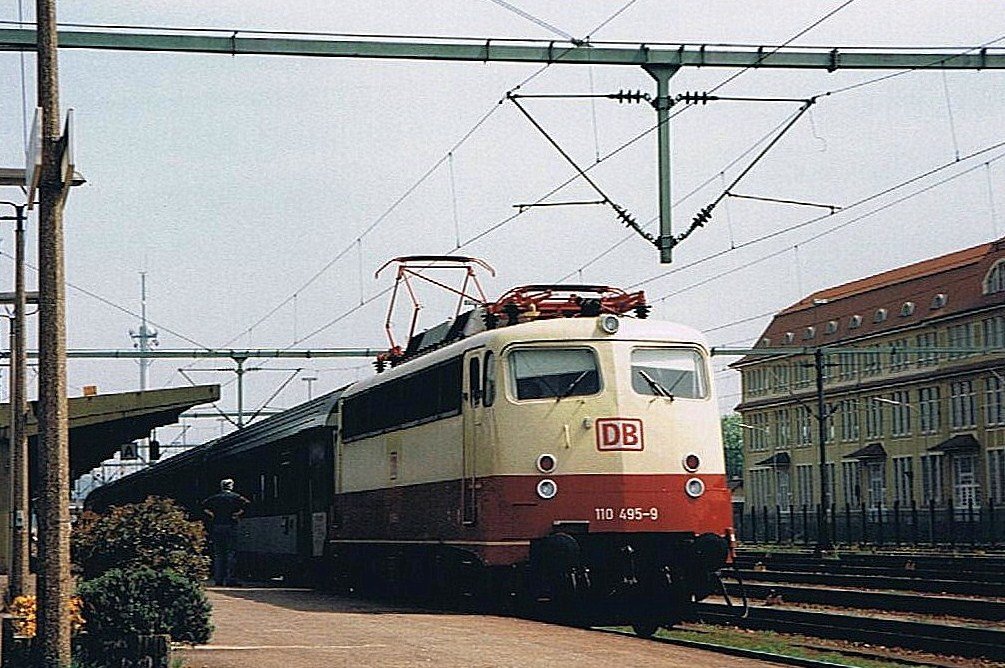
(628, 514)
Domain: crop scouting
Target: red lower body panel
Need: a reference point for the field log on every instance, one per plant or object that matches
(509, 512)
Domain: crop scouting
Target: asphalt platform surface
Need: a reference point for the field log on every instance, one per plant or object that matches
(271, 627)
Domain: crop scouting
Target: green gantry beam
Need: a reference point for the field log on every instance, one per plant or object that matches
(14, 39)
(661, 62)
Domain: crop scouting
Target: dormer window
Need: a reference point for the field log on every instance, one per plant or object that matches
(939, 300)
(995, 279)
(765, 341)
(809, 332)
(907, 309)
(880, 315)
(789, 337)
(856, 321)
(832, 326)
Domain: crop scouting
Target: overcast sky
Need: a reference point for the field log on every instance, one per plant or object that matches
(232, 181)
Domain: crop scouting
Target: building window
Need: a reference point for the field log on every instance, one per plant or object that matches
(831, 409)
(900, 359)
(966, 491)
(901, 413)
(879, 315)
(929, 404)
(939, 300)
(847, 365)
(804, 480)
(789, 337)
(996, 475)
(873, 362)
(832, 326)
(874, 418)
(994, 332)
(995, 281)
(855, 322)
(960, 336)
(780, 376)
(850, 483)
(907, 309)
(994, 401)
(783, 492)
(759, 487)
(903, 480)
(805, 426)
(927, 340)
(877, 483)
(931, 478)
(809, 333)
(803, 374)
(783, 429)
(849, 419)
(961, 404)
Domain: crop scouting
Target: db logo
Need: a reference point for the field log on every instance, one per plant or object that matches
(619, 434)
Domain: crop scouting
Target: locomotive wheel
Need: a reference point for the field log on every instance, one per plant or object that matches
(645, 629)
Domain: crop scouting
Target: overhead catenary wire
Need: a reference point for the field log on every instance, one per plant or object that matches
(817, 219)
(829, 230)
(535, 20)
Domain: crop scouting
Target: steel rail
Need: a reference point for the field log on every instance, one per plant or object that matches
(947, 639)
(733, 651)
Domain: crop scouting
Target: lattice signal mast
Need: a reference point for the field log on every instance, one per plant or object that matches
(145, 338)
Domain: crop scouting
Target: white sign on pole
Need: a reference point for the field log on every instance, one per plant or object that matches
(127, 451)
(33, 158)
(67, 160)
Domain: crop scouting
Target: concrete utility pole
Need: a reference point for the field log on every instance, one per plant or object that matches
(54, 461)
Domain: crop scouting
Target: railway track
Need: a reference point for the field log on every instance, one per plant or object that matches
(969, 608)
(955, 639)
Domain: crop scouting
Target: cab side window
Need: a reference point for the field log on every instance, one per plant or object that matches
(490, 379)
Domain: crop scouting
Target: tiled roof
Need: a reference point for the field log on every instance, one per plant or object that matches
(902, 297)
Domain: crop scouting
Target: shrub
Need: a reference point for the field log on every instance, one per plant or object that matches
(144, 601)
(155, 533)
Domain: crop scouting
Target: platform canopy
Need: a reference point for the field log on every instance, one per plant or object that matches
(101, 423)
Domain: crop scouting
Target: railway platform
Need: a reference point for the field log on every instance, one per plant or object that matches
(272, 627)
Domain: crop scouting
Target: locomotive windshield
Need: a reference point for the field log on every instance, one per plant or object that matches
(540, 373)
(669, 372)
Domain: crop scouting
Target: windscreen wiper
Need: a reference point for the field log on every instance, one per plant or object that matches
(572, 386)
(657, 388)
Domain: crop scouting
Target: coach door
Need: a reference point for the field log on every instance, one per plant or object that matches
(473, 413)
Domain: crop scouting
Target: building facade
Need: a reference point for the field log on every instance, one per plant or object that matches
(914, 388)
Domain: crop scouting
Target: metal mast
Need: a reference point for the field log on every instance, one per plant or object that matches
(145, 337)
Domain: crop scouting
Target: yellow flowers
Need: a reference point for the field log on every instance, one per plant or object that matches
(24, 609)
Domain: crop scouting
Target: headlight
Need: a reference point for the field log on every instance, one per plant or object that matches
(691, 462)
(546, 463)
(694, 487)
(547, 489)
(609, 323)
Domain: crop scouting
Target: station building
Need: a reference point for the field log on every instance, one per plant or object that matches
(914, 385)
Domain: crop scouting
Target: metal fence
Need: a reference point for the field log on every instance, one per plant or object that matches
(902, 524)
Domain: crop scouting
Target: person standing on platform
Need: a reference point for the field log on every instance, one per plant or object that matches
(224, 509)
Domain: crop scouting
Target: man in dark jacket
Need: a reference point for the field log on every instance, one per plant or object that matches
(224, 509)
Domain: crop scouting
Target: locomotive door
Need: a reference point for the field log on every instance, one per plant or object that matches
(472, 426)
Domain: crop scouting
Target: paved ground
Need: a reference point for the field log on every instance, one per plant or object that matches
(295, 628)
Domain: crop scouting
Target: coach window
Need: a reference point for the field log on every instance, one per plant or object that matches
(475, 381)
(541, 373)
(489, 375)
(669, 372)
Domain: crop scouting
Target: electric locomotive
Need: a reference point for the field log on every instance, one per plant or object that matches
(554, 448)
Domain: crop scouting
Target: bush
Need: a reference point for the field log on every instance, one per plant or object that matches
(155, 533)
(144, 601)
